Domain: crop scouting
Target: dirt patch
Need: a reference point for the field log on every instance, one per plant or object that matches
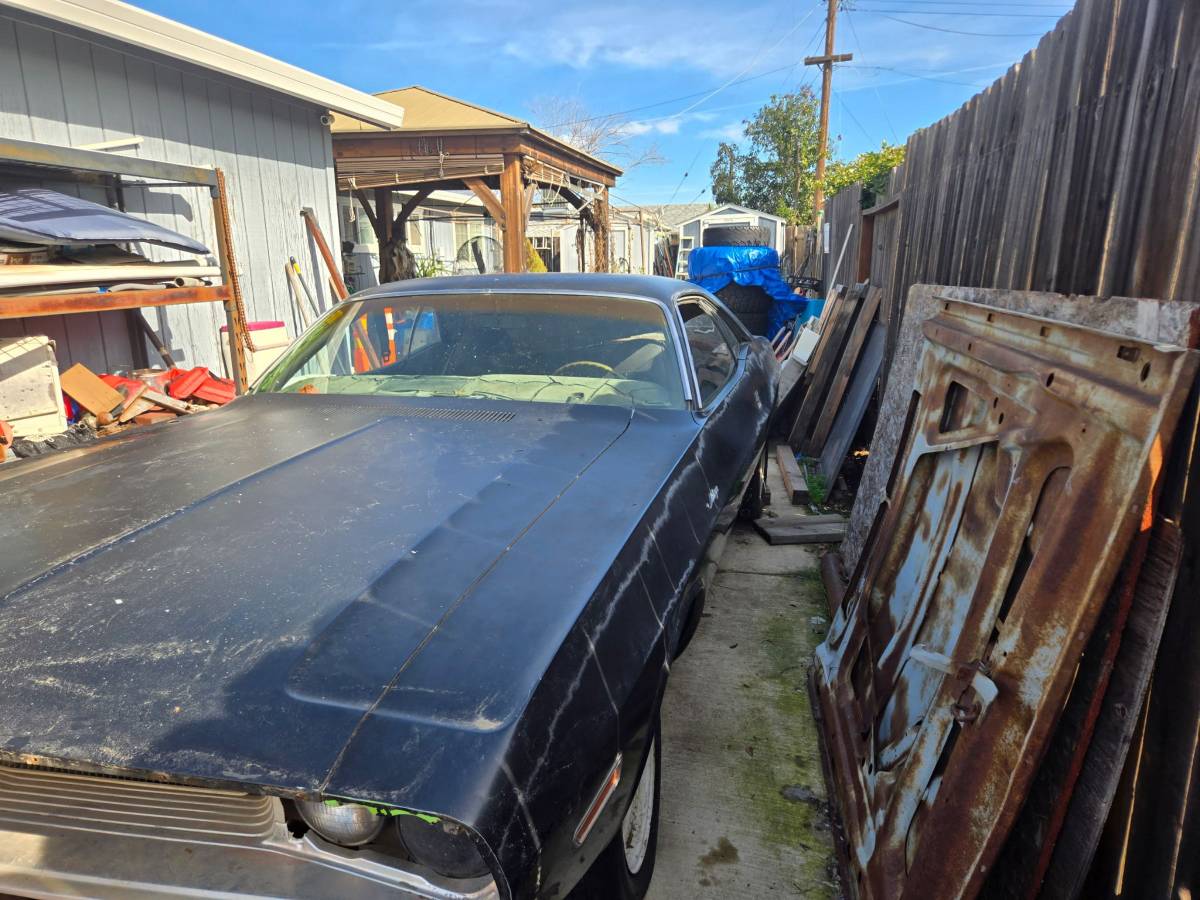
(721, 855)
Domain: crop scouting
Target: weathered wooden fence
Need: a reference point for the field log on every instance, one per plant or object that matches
(1077, 172)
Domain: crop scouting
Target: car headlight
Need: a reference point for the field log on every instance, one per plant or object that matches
(445, 847)
(347, 824)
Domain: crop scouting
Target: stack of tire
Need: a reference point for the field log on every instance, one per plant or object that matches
(751, 304)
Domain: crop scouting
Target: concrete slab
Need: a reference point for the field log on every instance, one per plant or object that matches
(744, 810)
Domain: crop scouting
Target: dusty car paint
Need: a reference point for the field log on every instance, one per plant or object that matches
(1032, 452)
(459, 607)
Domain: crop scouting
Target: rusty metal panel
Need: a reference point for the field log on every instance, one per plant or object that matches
(1032, 455)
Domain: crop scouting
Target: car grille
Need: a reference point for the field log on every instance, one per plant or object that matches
(58, 799)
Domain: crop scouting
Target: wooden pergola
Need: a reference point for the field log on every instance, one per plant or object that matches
(448, 144)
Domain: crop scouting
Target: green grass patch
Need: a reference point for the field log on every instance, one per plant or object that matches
(779, 727)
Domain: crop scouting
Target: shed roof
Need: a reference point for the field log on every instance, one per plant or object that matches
(717, 210)
(669, 215)
(725, 207)
(129, 25)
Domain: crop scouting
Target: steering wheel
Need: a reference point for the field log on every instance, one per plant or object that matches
(608, 370)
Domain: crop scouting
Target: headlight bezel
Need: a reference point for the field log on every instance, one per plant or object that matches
(384, 838)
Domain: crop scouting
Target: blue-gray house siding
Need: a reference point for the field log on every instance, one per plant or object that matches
(71, 89)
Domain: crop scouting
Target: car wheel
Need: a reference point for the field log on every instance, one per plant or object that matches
(624, 868)
(757, 496)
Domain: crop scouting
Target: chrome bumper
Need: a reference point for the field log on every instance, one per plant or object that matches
(68, 835)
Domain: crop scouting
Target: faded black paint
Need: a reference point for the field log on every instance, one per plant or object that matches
(328, 595)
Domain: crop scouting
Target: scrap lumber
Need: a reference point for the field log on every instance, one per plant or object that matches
(170, 404)
(822, 366)
(854, 405)
(802, 529)
(134, 409)
(846, 364)
(793, 479)
(153, 417)
(83, 386)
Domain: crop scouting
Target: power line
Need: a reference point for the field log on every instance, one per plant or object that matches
(691, 165)
(878, 98)
(730, 83)
(971, 15)
(861, 127)
(953, 31)
(973, 84)
(986, 4)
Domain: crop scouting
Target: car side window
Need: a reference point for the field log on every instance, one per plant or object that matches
(713, 352)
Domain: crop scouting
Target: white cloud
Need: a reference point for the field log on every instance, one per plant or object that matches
(734, 131)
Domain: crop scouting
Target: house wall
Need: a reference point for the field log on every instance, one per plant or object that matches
(60, 86)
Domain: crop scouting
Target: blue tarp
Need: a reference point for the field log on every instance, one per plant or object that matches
(715, 267)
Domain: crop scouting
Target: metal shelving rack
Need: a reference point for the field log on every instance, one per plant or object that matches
(108, 169)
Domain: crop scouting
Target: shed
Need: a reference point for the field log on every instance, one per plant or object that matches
(732, 214)
(104, 75)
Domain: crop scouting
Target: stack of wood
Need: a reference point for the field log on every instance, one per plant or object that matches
(147, 397)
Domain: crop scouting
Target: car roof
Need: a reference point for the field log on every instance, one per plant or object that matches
(652, 287)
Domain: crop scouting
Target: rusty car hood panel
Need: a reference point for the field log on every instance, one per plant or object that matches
(1031, 455)
(146, 625)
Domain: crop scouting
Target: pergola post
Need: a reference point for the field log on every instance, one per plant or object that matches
(512, 199)
(602, 224)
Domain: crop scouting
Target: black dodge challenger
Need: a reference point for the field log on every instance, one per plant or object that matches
(396, 623)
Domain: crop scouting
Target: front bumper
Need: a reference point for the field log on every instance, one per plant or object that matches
(69, 835)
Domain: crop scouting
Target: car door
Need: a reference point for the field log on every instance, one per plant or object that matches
(730, 387)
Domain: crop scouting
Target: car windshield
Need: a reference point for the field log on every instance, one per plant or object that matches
(549, 348)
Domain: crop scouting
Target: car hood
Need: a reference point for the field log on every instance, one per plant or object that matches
(226, 597)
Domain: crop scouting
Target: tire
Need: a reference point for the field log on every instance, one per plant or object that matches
(695, 614)
(756, 323)
(757, 496)
(744, 299)
(737, 236)
(624, 868)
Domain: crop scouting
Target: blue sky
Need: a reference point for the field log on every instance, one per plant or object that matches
(691, 71)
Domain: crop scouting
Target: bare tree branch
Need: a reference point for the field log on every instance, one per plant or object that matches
(609, 137)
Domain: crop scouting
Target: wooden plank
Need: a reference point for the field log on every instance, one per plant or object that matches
(56, 304)
(845, 368)
(487, 198)
(823, 365)
(310, 222)
(789, 470)
(802, 530)
(83, 386)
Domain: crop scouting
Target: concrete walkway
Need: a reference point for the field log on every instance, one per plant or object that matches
(743, 800)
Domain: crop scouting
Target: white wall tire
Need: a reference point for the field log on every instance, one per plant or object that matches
(625, 866)
(640, 817)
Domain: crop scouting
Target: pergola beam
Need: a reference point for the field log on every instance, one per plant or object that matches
(410, 205)
(487, 198)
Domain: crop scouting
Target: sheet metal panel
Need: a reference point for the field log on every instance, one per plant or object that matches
(1032, 455)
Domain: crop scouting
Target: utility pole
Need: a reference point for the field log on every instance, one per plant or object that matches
(826, 62)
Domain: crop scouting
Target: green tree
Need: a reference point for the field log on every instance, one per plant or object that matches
(871, 169)
(776, 172)
(724, 174)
